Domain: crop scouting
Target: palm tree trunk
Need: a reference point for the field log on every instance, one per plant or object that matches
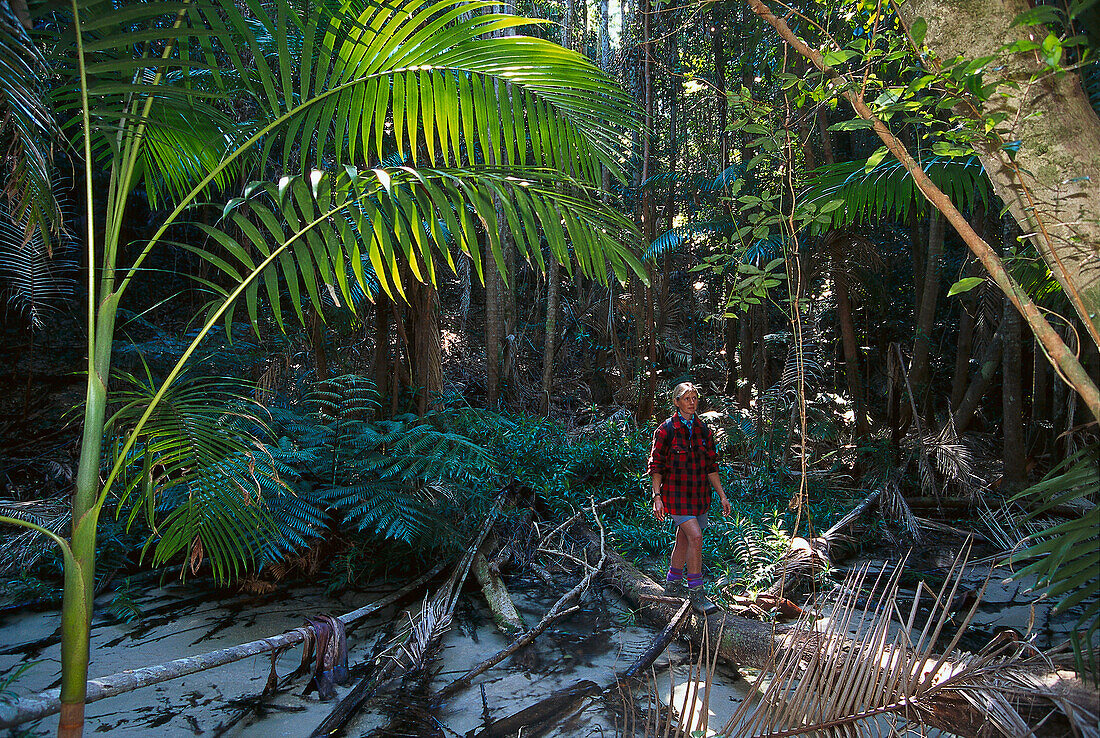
(1015, 465)
(426, 355)
(548, 348)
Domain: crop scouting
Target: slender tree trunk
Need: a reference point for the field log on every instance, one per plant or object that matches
(648, 379)
(553, 278)
(963, 350)
(730, 334)
(851, 350)
(382, 365)
(1040, 396)
(317, 344)
(926, 318)
(991, 361)
(744, 396)
(1015, 463)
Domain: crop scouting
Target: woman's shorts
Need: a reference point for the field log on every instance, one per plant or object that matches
(679, 520)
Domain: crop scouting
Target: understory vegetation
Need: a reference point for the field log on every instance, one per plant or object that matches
(306, 291)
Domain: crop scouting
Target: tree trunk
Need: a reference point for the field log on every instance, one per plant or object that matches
(744, 396)
(382, 364)
(1050, 182)
(991, 360)
(1040, 397)
(926, 318)
(426, 355)
(1015, 453)
(963, 350)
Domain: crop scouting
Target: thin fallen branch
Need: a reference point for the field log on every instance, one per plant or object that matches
(463, 681)
(409, 656)
(558, 705)
(36, 707)
(557, 611)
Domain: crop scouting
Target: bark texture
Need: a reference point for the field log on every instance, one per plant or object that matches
(1052, 185)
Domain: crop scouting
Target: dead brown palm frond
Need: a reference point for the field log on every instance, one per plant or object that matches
(894, 508)
(884, 678)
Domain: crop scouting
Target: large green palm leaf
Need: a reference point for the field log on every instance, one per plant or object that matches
(886, 190)
(312, 232)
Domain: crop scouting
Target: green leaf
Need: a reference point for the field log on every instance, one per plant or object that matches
(964, 285)
(876, 158)
(1041, 15)
(851, 125)
(918, 30)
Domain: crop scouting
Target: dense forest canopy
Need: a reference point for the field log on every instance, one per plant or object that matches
(322, 276)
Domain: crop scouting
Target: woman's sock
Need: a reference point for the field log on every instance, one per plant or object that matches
(674, 574)
(694, 580)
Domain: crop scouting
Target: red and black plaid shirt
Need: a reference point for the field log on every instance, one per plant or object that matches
(683, 460)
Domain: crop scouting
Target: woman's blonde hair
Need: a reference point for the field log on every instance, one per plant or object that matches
(682, 389)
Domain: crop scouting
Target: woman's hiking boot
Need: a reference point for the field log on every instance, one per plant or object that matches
(676, 588)
(700, 602)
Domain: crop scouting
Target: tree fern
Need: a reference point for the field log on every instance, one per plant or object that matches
(197, 474)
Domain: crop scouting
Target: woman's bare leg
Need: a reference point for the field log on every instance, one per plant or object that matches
(688, 551)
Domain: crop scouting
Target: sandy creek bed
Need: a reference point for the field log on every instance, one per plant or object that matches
(176, 621)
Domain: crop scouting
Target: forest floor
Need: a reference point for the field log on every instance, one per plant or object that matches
(594, 643)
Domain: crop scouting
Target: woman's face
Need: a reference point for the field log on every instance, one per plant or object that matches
(687, 403)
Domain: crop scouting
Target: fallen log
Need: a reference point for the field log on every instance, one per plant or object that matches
(505, 615)
(808, 558)
(36, 707)
(542, 715)
(743, 642)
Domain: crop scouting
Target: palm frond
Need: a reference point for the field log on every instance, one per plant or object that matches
(36, 278)
(27, 131)
(198, 463)
(324, 222)
(1066, 557)
(829, 682)
(887, 190)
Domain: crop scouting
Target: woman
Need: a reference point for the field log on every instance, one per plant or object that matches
(683, 467)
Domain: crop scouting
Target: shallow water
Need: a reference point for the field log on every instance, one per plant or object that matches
(592, 644)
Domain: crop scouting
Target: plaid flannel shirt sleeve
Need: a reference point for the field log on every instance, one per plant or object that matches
(658, 453)
(711, 452)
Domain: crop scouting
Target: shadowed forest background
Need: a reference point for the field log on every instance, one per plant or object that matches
(320, 293)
